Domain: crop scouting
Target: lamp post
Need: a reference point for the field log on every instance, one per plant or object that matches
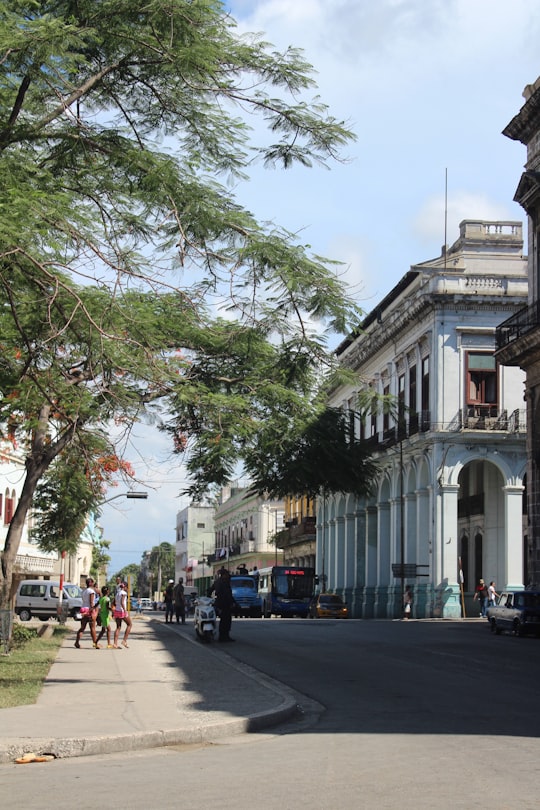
(133, 494)
(130, 494)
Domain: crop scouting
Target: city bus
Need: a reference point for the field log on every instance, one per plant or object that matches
(286, 590)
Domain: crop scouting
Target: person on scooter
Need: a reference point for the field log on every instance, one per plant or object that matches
(224, 603)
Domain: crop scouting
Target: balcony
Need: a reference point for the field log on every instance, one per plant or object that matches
(306, 526)
(476, 417)
(27, 564)
(488, 417)
(517, 325)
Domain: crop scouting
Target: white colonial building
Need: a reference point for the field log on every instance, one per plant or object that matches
(447, 508)
(194, 542)
(30, 562)
(246, 526)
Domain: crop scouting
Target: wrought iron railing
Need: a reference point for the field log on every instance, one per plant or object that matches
(513, 328)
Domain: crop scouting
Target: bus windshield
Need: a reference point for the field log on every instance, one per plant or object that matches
(293, 584)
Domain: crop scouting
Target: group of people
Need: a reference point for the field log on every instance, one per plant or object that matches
(175, 602)
(486, 595)
(99, 609)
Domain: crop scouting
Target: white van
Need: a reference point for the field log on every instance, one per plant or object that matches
(39, 597)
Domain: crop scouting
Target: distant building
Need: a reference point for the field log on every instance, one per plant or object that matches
(194, 542)
(299, 537)
(518, 338)
(447, 507)
(30, 562)
(246, 528)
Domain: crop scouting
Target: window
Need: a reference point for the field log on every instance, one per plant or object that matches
(425, 385)
(9, 506)
(201, 525)
(386, 415)
(412, 388)
(481, 379)
(401, 404)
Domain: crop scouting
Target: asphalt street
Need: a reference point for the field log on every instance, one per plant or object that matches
(426, 714)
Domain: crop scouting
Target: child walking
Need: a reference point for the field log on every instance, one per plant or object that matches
(105, 616)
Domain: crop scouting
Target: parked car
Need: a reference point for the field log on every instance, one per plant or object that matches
(246, 597)
(145, 603)
(39, 598)
(328, 606)
(517, 612)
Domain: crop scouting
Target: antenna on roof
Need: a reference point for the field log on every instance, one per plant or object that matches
(445, 214)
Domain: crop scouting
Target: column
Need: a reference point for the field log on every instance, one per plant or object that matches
(513, 537)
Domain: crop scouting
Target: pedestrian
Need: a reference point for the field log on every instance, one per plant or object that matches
(121, 614)
(179, 601)
(88, 614)
(407, 603)
(492, 595)
(104, 616)
(224, 603)
(481, 595)
(169, 602)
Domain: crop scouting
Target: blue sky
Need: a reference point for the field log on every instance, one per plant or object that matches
(427, 86)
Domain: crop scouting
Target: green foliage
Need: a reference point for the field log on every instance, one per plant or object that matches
(100, 558)
(129, 572)
(23, 671)
(325, 457)
(123, 128)
(161, 562)
(21, 635)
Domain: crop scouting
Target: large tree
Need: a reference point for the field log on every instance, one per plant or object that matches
(123, 125)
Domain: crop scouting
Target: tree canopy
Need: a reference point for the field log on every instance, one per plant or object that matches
(132, 283)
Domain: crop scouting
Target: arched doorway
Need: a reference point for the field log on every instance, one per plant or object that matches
(482, 524)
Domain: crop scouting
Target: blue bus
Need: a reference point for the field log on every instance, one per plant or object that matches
(286, 590)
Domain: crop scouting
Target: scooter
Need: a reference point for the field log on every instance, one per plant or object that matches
(205, 618)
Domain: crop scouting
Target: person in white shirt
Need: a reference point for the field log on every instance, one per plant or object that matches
(121, 614)
(88, 613)
(492, 595)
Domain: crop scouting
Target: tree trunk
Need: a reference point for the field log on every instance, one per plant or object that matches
(39, 459)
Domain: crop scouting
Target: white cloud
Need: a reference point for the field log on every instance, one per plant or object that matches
(429, 222)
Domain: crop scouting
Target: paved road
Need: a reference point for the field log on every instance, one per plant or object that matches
(424, 714)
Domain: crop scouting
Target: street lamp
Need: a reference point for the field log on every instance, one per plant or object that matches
(130, 494)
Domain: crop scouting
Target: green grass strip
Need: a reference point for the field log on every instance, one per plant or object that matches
(24, 670)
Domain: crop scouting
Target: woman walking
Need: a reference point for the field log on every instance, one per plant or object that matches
(121, 614)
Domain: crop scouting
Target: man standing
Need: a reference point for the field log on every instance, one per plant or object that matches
(481, 594)
(179, 601)
(224, 602)
(169, 602)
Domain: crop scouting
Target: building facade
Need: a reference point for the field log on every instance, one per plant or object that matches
(298, 538)
(518, 338)
(30, 562)
(246, 527)
(194, 542)
(447, 507)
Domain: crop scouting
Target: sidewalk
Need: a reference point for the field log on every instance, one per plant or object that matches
(167, 688)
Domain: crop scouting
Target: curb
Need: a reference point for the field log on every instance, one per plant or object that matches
(62, 748)
(287, 706)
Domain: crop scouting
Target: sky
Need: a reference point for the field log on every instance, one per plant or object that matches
(427, 86)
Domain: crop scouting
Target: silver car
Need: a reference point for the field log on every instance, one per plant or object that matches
(517, 612)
